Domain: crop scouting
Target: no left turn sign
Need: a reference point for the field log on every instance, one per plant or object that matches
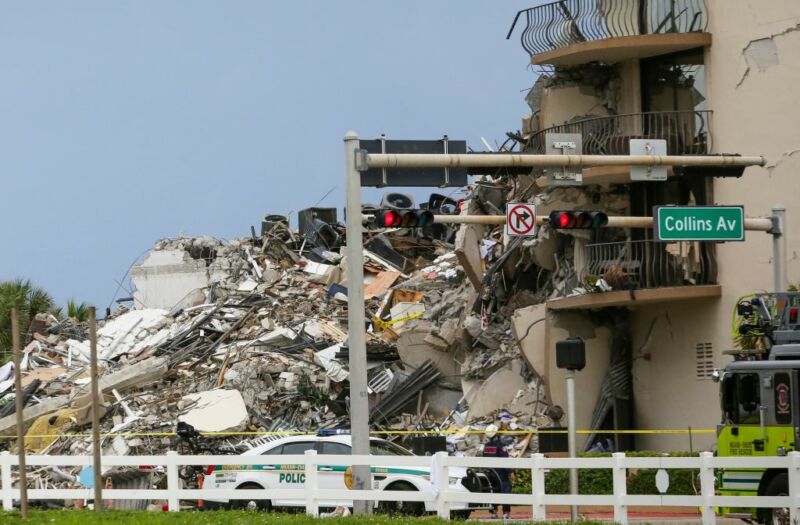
(520, 219)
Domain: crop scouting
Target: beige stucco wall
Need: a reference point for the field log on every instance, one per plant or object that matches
(630, 92)
(753, 81)
(560, 104)
(667, 393)
(588, 381)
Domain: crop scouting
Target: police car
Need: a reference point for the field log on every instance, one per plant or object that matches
(291, 476)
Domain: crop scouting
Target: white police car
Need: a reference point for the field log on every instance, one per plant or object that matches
(292, 476)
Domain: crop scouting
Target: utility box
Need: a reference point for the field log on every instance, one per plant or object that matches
(305, 218)
(571, 354)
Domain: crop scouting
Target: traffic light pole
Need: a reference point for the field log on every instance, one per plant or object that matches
(359, 408)
(572, 445)
(358, 160)
(779, 247)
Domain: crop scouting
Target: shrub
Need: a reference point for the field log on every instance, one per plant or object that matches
(599, 481)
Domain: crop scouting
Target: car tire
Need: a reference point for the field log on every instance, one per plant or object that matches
(402, 508)
(243, 504)
(778, 486)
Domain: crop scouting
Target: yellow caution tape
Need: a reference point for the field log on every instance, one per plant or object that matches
(380, 323)
(384, 432)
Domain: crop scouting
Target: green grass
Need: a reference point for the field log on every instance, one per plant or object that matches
(88, 517)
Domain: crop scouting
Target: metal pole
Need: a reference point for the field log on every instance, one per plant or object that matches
(98, 474)
(779, 247)
(750, 224)
(573, 472)
(20, 405)
(508, 160)
(359, 408)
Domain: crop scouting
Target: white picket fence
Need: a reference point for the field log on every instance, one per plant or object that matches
(441, 497)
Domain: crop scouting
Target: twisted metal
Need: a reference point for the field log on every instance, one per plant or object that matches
(567, 22)
(686, 132)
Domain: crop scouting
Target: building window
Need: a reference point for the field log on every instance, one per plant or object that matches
(704, 360)
(675, 82)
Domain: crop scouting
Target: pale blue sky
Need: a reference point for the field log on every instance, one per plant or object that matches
(122, 122)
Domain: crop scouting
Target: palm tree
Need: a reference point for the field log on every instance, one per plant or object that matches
(77, 312)
(28, 299)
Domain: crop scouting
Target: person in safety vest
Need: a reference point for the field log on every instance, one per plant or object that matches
(495, 447)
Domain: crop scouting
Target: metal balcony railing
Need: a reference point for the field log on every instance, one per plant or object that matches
(648, 264)
(567, 22)
(686, 132)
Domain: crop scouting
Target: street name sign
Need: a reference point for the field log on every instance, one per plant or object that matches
(520, 219)
(699, 223)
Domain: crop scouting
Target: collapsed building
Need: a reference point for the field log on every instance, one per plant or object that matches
(245, 337)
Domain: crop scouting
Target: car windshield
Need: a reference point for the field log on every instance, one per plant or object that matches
(384, 448)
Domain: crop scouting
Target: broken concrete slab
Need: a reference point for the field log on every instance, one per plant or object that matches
(216, 411)
(403, 312)
(415, 351)
(498, 389)
(529, 326)
(469, 254)
(8, 424)
(166, 276)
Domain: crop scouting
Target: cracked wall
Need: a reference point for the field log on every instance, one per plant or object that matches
(763, 53)
(665, 339)
(754, 73)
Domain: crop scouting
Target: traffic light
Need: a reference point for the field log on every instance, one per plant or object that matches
(577, 219)
(386, 218)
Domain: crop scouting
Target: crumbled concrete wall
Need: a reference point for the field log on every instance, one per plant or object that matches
(165, 277)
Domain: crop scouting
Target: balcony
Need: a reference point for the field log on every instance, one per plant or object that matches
(641, 272)
(686, 133)
(570, 32)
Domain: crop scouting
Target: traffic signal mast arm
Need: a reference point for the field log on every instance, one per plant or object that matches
(365, 161)
(752, 224)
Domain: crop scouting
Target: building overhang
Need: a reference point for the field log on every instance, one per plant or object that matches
(613, 50)
(634, 298)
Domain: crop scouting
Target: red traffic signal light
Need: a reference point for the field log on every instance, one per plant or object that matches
(388, 219)
(578, 219)
(404, 218)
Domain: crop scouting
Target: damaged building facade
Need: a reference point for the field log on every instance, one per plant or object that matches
(708, 77)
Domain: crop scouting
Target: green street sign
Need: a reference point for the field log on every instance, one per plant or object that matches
(699, 223)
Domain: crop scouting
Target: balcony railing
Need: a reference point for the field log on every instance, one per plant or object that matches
(686, 132)
(632, 265)
(567, 22)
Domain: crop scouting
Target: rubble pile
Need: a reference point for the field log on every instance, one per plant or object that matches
(246, 338)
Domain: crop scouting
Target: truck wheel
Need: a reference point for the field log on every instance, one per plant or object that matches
(250, 504)
(402, 508)
(779, 486)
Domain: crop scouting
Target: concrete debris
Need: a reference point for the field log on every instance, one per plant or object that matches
(250, 336)
(215, 411)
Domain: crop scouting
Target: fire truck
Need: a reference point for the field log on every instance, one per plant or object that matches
(760, 399)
